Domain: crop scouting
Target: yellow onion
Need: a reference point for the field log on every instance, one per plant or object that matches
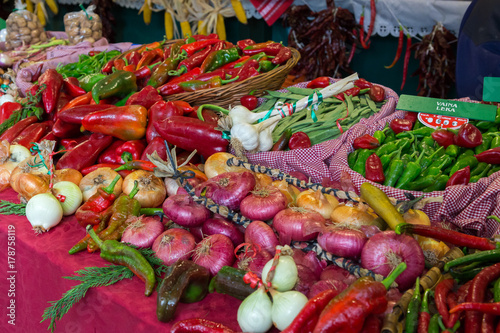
(262, 180)
(354, 215)
(216, 164)
(30, 165)
(289, 191)
(101, 177)
(10, 157)
(152, 191)
(28, 185)
(415, 216)
(68, 175)
(316, 201)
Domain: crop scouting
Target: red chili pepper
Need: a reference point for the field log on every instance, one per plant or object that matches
(468, 136)
(192, 48)
(374, 170)
(443, 288)
(7, 109)
(460, 177)
(401, 125)
(53, 82)
(363, 84)
(207, 76)
(73, 87)
(190, 134)
(37, 73)
(283, 56)
(158, 145)
(92, 168)
(353, 48)
(185, 106)
(365, 142)
(71, 143)
(202, 37)
(93, 53)
(62, 129)
(76, 114)
(85, 154)
(373, 15)
(424, 316)
(477, 294)
(377, 93)
(119, 64)
(133, 58)
(146, 58)
(146, 97)
(362, 29)
(159, 111)
(270, 48)
(80, 100)
(193, 61)
(137, 165)
(61, 103)
(108, 68)
(249, 101)
(309, 314)
(443, 137)
(400, 47)
(172, 87)
(491, 156)
(32, 133)
(232, 65)
(49, 136)
(449, 236)
(406, 60)
(372, 324)
(199, 326)
(142, 72)
(412, 116)
(209, 116)
(299, 140)
(319, 82)
(488, 322)
(244, 43)
(17, 128)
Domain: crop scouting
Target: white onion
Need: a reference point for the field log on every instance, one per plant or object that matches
(286, 306)
(44, 212)
(285, 274)
(69, 195)
(254, 313)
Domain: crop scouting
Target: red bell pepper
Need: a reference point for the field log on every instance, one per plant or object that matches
(363, 84)
(7, 109)
(113, 154)
(63, 130)
(443, 137)
(159, 111)
(85, 154)
(460, 177)
(491, 156)
(32, 133)
(196, 325)
(209, 116)
(158, 145)
(76, 114)
(299, 140)
(365, 142)
(401, 125)
(123, 122)
(468, 136)
(249, 101)
(72, 87)
(146, 97)
(53, 84)
(190, 134)
(374, 170)
(377, 93)
(412, 116)
(319, 82)
(109, 155)
(17, 128)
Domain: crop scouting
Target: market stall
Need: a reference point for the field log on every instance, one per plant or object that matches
(205, 183)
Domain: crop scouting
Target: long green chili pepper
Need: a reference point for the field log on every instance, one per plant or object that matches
(412, 171)
(411, 322)
(360, 164)
(395, 170)
(434, 324)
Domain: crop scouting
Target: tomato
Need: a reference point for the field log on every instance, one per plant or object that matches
(249, 101)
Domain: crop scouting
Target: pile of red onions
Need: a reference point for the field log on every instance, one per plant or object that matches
(228, 189)
(142, 231)
(182, 209)
(342, 241)
(174, 244)
(213, 252)
(263, 235)
(385, 250)
(298, 224)
(263, 204)
(220, 225)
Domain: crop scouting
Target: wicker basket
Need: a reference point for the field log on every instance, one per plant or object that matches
(230, 94)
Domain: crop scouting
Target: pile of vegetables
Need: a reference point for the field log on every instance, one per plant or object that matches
(410, 156)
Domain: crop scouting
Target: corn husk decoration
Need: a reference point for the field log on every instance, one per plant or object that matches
(239, 11)
(40, 11)
(53, 6)
(212, 14)
(182, 16)
(198, 12)
(29, 6)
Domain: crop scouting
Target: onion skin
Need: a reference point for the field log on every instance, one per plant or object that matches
(213, 252)
(405, 247)
(142, 231)
(174, 244)
(310, 260)
(298, 225)
(229, 188)
(182, 209)
(216, 165)
(224, 227)
(351, 215)
(334, 272)
(323, 285)
(70, 175)
(28, 185)
(343, 242)
(305, 280)
(101, 177)
(152, 191)
(316, 201)
(263, 204)
(258, 232)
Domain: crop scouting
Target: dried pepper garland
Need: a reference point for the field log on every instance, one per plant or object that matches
(322, 39)
(437, 61)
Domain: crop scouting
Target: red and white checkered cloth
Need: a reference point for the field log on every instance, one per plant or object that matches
(271, 10)
(466, 206)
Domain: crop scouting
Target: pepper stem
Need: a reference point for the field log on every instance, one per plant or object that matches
(94, 236)
(151, 211)
(182, 70)
(394, 274)
(210, 107)
(493, 217)
(230, 80)
(111, 187)
(400, 228)
(135, 189)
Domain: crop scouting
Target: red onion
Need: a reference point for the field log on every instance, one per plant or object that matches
(260, 233)
(253, 259)
(174, 244)
(334, 272)
(197, 232)
(310, 260)
(225, 227)
(228, 188)
(298, 224)
(263, 204)
(142, 231)
(386, 250)
(342, 242)
(213, 252)
(323, 285)
(182, 209)
(306, 279)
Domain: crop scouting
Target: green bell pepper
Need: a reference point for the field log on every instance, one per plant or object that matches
(88, 81)
(119, 83)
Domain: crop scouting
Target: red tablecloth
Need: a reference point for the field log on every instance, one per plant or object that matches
(42, 261)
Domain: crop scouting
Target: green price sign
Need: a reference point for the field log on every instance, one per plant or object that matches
(447, 107)
(491, 89)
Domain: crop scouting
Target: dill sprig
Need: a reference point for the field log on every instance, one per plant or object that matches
(10, 208)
